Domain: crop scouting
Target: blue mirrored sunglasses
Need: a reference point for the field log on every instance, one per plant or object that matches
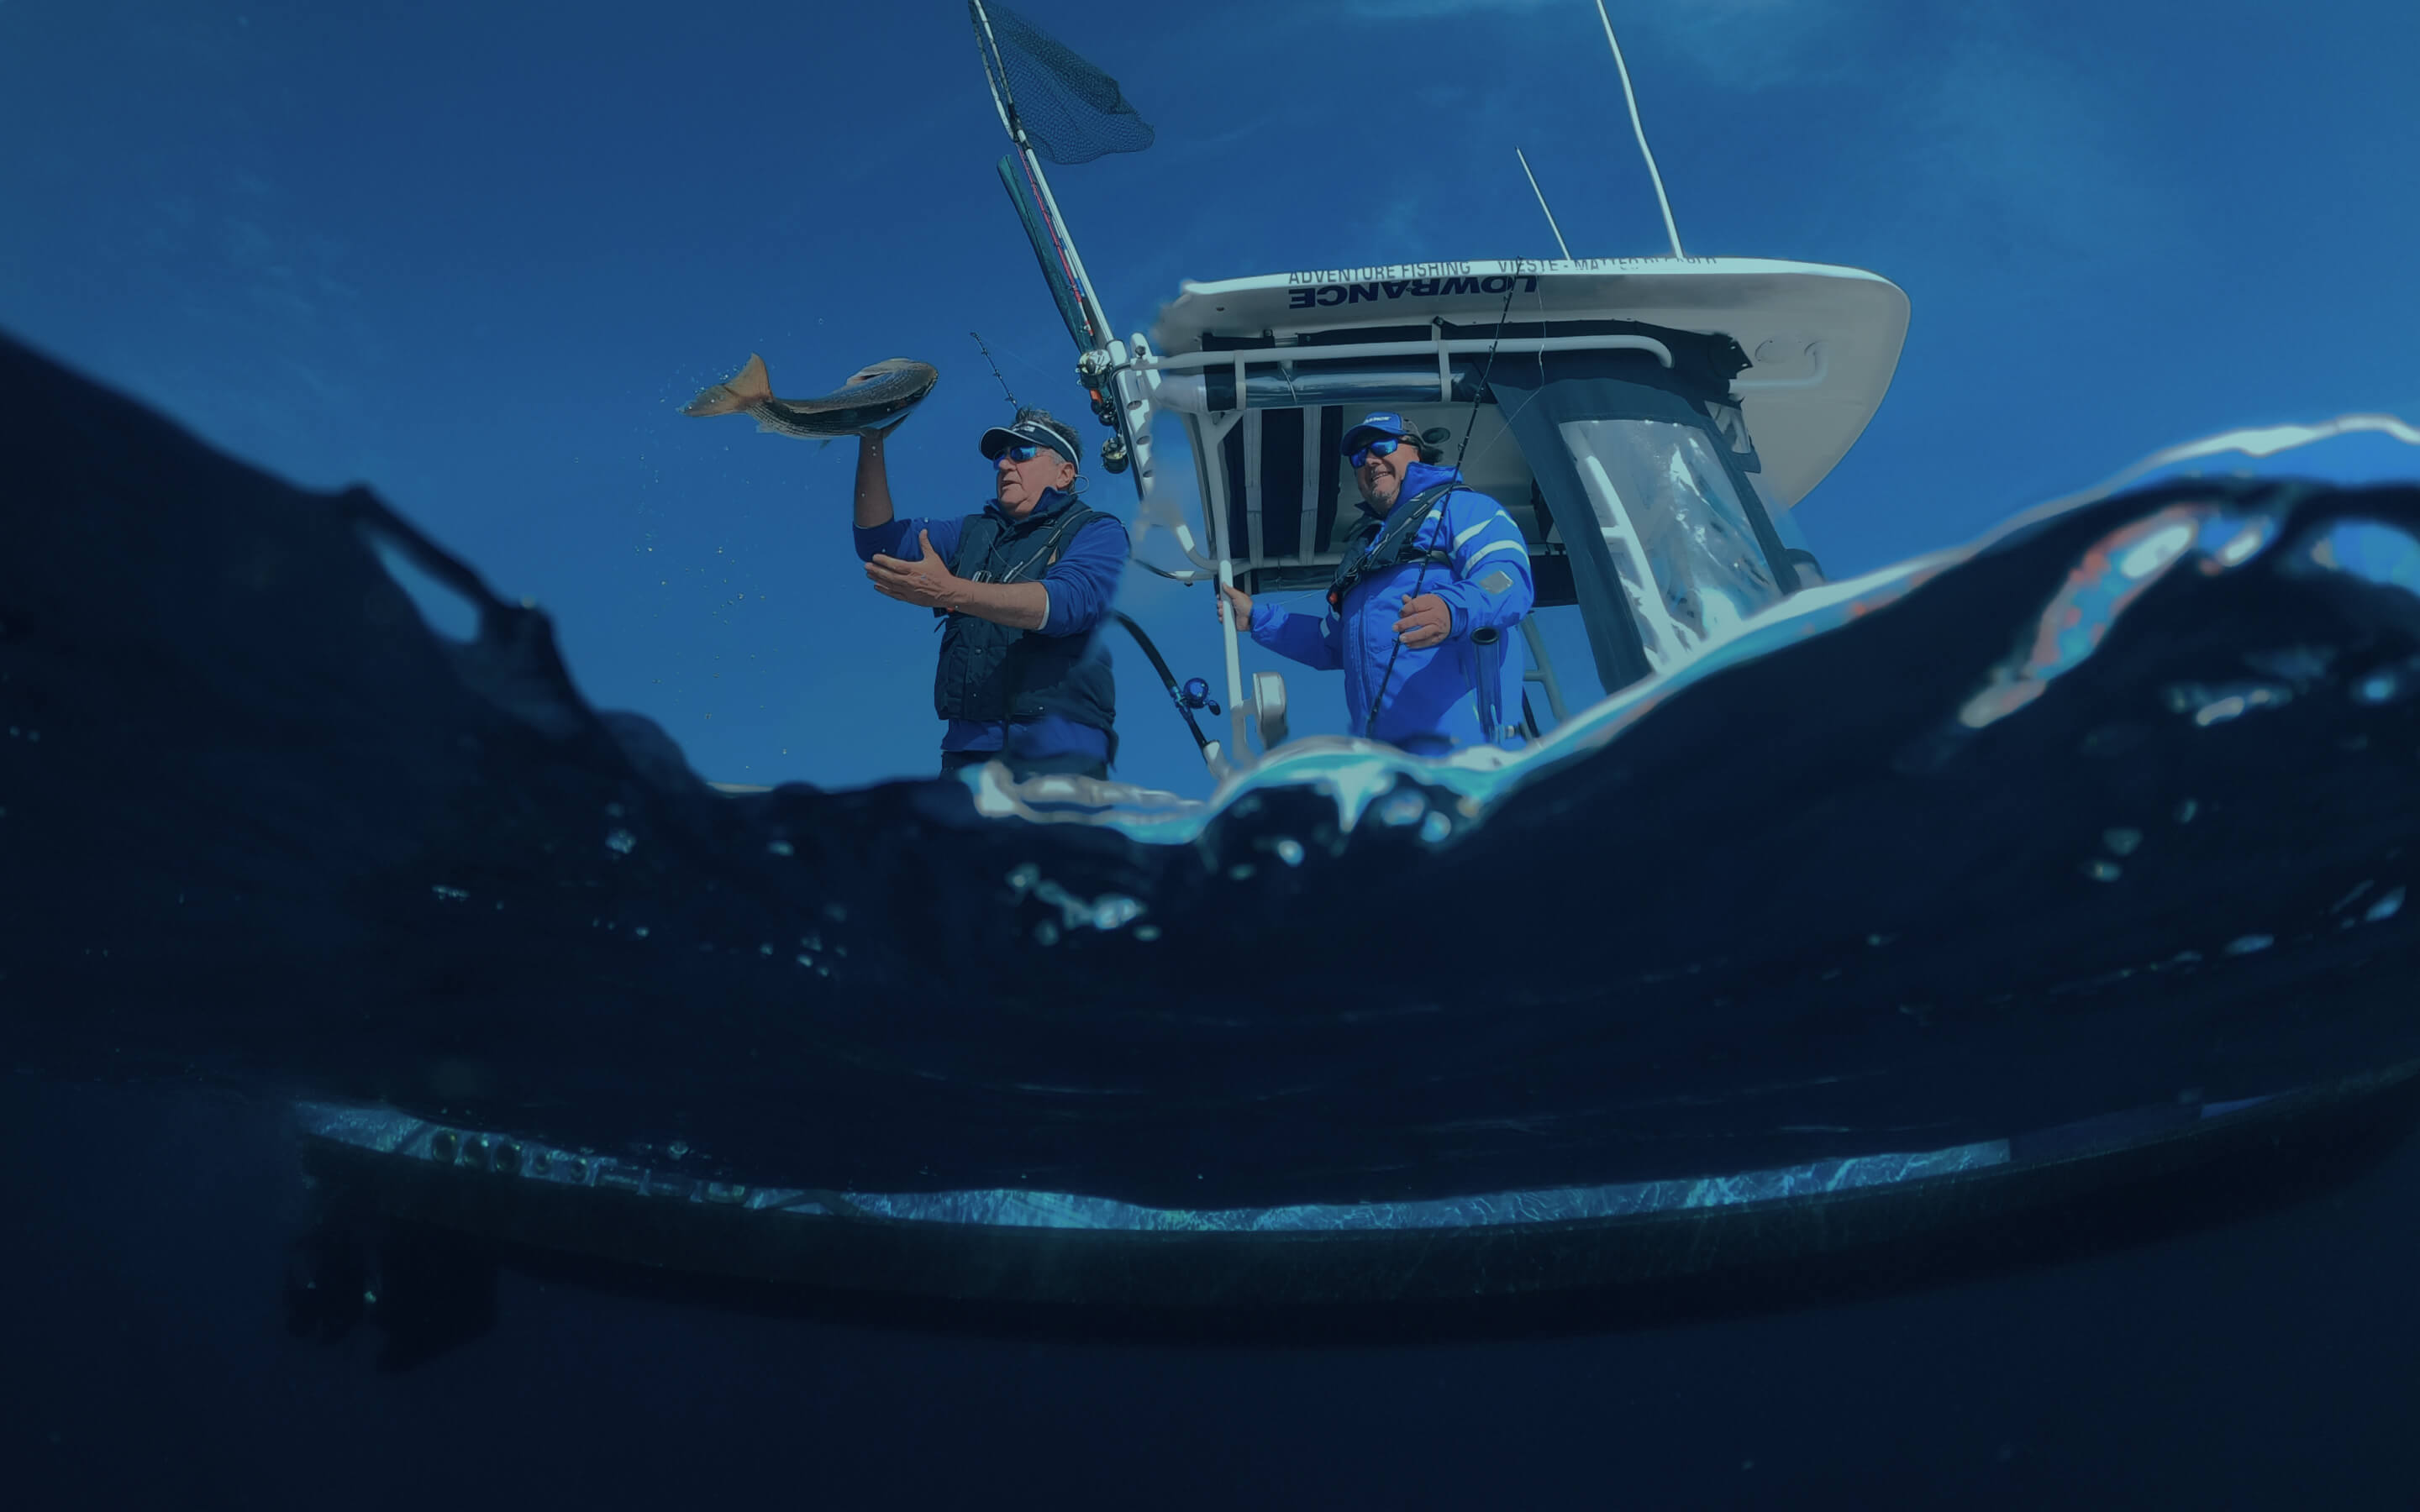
(1384, 446)
(1025, 452)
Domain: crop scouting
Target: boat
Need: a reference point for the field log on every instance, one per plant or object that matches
(1649, 423)
(1652, 424)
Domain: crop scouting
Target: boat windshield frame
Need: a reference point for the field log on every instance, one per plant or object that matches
(1689, 549)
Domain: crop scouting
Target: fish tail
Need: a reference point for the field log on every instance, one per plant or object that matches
(750, 387)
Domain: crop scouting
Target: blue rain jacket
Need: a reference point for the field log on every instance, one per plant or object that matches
(1461, 691)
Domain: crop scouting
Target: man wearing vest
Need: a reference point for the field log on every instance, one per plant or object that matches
(1435, 579)
(1020, 588)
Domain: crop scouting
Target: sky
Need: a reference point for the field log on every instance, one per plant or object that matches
(477, 256)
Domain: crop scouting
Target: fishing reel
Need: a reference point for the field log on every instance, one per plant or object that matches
(1113, 454)
(1195, 694)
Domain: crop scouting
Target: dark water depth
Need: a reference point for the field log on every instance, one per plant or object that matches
(2261, 1364)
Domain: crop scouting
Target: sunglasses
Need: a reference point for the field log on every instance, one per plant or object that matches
(1025, 452)
(1382, 447)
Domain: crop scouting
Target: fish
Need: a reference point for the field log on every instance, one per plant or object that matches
(874, 399)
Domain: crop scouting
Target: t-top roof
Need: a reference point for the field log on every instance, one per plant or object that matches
(1824, 341)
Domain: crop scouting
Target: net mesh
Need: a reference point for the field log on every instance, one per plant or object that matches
(1071, 110)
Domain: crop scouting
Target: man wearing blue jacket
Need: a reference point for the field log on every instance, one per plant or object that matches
(1021, 586)
(1433, 580)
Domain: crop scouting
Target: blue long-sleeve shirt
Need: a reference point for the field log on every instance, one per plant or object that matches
(1431, 699)
(1079, 586)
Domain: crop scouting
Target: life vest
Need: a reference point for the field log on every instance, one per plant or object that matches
(992, 672)
(1395, 546)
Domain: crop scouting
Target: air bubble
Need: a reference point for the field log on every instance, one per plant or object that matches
(452, 895)
(2186, 809)
(781, 847)
(1046, 932)
(2386, 908)
(1435, 827)
(1146, 932)
(2217, 705)
(2163, 547)
(621, 841)
(2100, 869)
(2249, 944)
(1289, 851)
(1402, 809)
(2121, 842)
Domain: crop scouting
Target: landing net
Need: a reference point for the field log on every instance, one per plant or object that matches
(1069, 111)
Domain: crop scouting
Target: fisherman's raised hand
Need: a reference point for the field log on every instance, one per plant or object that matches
(1427, 620)
(1241, 601)
(927, 583)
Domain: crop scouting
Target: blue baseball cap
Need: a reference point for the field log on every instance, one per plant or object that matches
(1377, 424)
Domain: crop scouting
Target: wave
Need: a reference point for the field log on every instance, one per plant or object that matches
(2112, 810)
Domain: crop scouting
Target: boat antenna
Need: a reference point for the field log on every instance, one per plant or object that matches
(1640, 131)
(995, 368)
(1542, 204)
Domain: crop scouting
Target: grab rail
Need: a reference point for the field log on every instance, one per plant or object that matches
(1179, 381)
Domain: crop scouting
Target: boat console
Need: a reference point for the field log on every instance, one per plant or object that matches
(1649, 423)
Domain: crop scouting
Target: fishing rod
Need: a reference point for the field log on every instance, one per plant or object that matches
(995, 368)
(1195, 692)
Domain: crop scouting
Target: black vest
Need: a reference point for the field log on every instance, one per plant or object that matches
(996, 671)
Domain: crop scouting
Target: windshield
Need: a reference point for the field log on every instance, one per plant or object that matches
(1679, 536)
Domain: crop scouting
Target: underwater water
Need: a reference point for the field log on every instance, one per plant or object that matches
(2096, 829)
